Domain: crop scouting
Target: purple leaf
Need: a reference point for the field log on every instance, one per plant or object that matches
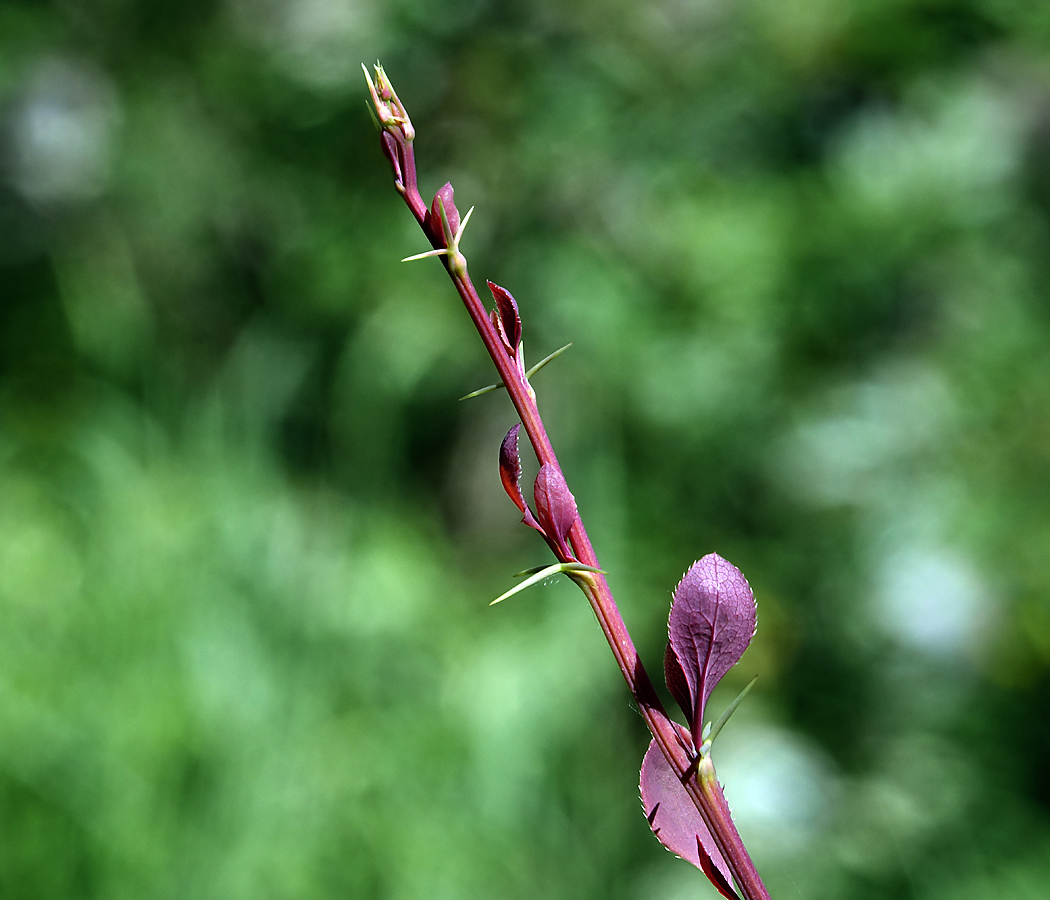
(497, 323)
(392, 151)
(677, 683)
(444, 217)
(714, 875)
(675, 820)
(555, 506)
(711, 623)
(509, 317)
(510, 475)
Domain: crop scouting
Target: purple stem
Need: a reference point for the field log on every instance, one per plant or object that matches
(704, 790)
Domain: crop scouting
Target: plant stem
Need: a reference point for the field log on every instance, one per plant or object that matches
(703, 787)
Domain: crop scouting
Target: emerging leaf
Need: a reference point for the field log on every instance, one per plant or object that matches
(392, 151)
(497, 323)
(510, 475)
(711, 623)
(555, 506)
(444, 217)
(676, 822)
(509, 317)
(677, 684)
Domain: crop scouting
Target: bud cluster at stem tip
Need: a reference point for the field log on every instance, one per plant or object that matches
(389, 109)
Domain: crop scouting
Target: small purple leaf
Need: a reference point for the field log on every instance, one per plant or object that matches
(711, 623)
(677, 683)
(497, 323)
(444, 217)
(508, 313)
(675, 820)
(392, 151)
(555, 506)
(510, 475)
(724, 886)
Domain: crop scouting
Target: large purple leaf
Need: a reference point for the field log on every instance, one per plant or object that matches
(676, 822)
(555, 505)
(711, 623)
(510, 475)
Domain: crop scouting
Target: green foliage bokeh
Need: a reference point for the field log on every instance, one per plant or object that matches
(248, 534)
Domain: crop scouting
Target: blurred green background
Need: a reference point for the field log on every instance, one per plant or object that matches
(248, 534)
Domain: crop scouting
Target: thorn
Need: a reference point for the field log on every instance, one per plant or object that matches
(539, 574)
(720, 724)
(443, 251)
(565, 567)
(528, 582)
(485, 390)
(462, 228)
(547, 359)
(439, 252)
(495, 387)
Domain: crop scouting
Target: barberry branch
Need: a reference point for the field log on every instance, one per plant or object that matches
(556, 517)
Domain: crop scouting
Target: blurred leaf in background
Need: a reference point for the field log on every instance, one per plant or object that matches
(248, 536)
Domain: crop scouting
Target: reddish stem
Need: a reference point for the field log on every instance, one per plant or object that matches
(702, 785)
